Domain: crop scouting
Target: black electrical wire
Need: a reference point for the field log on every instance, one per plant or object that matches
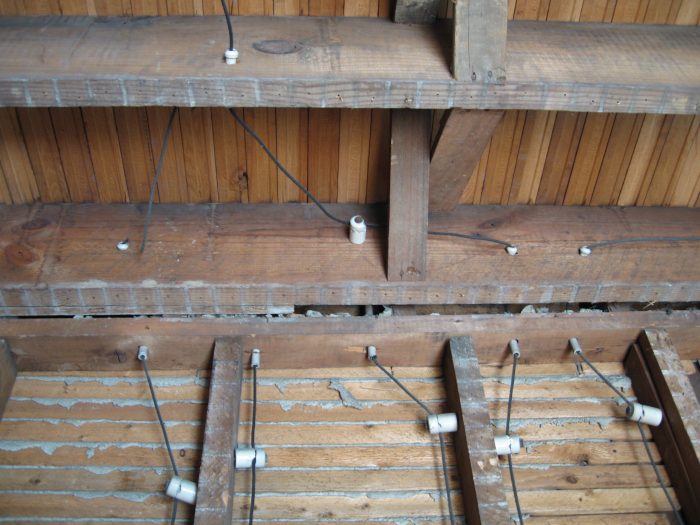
(443, 451)
(228, 23)
(631, 240)
(252, 444)
(676, 513)
(605, 379)
(173, 513)
(510, 458)
(326, 212)
(156, 176)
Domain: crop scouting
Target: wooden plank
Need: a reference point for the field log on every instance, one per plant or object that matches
(98, 344)
(479, 42)
(216, 474)
(477, 462)
(14, 160)
(680, 406)
(214, 274)
(408, 195)
(674, 462)
(8, 372)
(416, 11)
(456, 152)
(573, 67)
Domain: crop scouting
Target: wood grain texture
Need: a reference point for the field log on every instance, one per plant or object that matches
(477, 462)
(456, 153)
(8, 372)
(408, 195)
(251, 265)
(216, 474)
(416, 11)
(98, 344)
(479, 41)
(577, 67)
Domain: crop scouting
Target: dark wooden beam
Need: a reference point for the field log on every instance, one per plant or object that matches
(408, 195)
(416, 11)
(458, 147)
(100, 344)
(477, 463)
(8, 372)
(228, 259)
(216, 473)
(350, 62)
(645, 390)
(479, 50)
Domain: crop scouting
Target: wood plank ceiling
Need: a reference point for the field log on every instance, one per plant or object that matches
(535, 157)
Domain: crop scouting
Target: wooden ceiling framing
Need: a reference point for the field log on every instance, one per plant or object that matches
(531, 106)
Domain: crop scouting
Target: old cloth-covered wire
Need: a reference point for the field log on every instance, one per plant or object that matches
(510, 456)
(443, 452)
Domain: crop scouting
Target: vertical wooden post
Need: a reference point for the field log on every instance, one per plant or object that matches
(457, 151)
(480, 29)
(216, 474)
(477, 463)
(408, 195)
(8, 373)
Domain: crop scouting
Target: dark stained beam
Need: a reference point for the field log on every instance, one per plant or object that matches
(477, 463)
(216, 473)
(458, 147)
(408, 195)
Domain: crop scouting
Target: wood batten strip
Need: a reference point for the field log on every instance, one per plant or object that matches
(408, 195)
(52, 61)
(216, 475)
(479, 470)
(8, 373)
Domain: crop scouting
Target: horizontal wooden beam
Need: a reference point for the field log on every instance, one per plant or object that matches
(216, 473)
(341, 62)
(111, 344)
(233, 258)
(477, 463)
(8, 372)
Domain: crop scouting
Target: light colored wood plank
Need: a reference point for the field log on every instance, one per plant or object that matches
(172, 184)
(230, 156)
(353, 154)
(479, 50)
(262, 172)
(408, 196)
(687, 180)
(324, 137)
(293, 151)
(14, 160)
(200, 159)
(101, 132)
(137, 157)
(537, 135)
(641, 159)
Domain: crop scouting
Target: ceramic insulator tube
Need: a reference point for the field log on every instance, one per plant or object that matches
(358, 230)
(182, 490)
(507, 445)
(244, 457)
(442, 423)
(645, 414)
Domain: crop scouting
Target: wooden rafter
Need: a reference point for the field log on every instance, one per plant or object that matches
(477, 463)
(227, 259)
(216, 473)
(8, 372)
(343, 62)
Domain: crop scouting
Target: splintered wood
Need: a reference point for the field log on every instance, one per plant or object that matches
(344, 445)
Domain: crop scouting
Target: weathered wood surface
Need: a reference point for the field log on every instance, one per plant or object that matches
(215, 484)
(416, 11)
(101, 344)
(54, 61)
(475, 453)
(458, 148)
(8, 372)
(407, 258)
(227, 259)
(479, 41)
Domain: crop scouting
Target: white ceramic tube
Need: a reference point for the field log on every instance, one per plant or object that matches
(244, 457)
(507, 445)
(514, 347)
(182, 490)
(645, 414)
(575, 346)
(255, 358)
(358, 230)
(441, 423)
(371, 352)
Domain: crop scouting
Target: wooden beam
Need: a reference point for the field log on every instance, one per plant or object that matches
(8, 372)
(408, 195)
(479, 44)
(232, 258)
(346, 62)
(477, 463)
(457, 150)
(416, 11)
(680, 406)
(216, 473)
(645, 390)
(100, 344)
